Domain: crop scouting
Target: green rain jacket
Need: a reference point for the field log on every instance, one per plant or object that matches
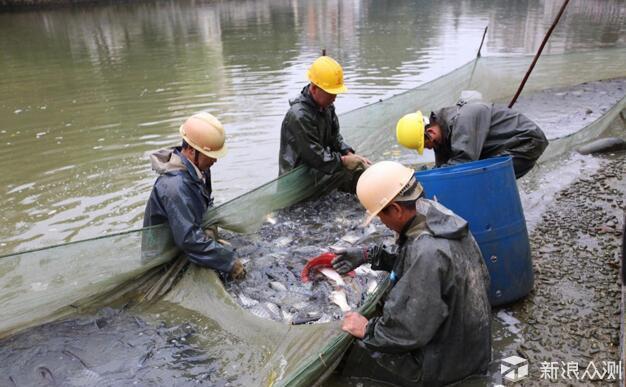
(310, 135)
(477, 130)
(435, 326)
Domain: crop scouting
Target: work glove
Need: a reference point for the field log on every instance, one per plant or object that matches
(238, 272)
(349, 259)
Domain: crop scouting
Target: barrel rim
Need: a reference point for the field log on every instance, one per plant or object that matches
(470, 168)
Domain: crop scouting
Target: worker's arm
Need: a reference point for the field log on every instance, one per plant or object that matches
(382, 257)
(414, 309)
(349, 258)
(470, 131)
(306, 139)
(184, 221)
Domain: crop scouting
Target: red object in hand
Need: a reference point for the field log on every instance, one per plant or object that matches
(319, 262)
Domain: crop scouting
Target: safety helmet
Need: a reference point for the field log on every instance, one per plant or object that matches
(381, 183)
(410, 131)
(327, 74)
(205, 133)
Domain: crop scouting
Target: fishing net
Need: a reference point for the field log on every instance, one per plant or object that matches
(120, 270)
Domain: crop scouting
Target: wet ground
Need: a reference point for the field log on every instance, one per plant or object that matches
(563, 111)
(573, 313)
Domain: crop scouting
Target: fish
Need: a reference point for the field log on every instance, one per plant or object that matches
(372, 286)
(270, 219)
(338, 297)
(280, 252)
(247, 301)
(267, 310)
(278, 286)
(333, 276)
(260, 311)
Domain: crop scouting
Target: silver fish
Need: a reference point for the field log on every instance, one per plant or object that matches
(372, 286)
(338, 297)
(260, 311)
(333, 276)
(246, 301)
(278, 286)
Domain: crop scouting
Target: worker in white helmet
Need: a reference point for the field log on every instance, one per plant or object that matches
(435, 326)
(182, 194)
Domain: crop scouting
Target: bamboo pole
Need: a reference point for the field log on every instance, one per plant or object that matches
(532, 65)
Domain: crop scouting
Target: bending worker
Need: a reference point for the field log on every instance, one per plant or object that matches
(474, 131)
(182, 194)
(435, 326)
(310, 130)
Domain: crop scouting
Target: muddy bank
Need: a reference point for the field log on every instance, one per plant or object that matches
(565, 110)
(573, 313)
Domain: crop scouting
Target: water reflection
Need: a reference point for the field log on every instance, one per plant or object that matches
(88, 92)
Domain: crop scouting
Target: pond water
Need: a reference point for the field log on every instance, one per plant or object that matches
(88, 92)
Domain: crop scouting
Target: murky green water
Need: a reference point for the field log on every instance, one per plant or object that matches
(87, 92)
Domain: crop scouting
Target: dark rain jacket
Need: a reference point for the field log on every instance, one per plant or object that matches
(437, 312)
(477, 130)
(180, 197)
(310, 135)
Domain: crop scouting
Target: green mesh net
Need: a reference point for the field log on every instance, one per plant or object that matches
(122, 269)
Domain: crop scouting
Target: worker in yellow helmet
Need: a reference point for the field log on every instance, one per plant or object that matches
(435, 326)
(471, 131)
(310, 130)
(182, 194)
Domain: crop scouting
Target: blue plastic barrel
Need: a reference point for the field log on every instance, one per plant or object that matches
(485, 194)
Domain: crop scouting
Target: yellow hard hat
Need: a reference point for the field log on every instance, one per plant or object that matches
(205, 133)
(410, 131)
(381, 183)
(327, 74)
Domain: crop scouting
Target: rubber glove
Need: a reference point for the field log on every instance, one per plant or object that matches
(238, 272)
(349, 259)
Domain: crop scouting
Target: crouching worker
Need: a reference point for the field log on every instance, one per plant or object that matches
(310, 130)
(474, 131)
(435, 326)
(182, 194)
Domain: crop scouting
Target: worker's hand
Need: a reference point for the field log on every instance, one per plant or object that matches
(211, 232)
(349, 259)
(365, 161)
(238, 272)
(351, 161)
(355, 324)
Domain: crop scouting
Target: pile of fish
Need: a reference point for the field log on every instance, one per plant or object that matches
(276, 255)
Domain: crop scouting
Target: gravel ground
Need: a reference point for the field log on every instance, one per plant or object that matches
(573, 313)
